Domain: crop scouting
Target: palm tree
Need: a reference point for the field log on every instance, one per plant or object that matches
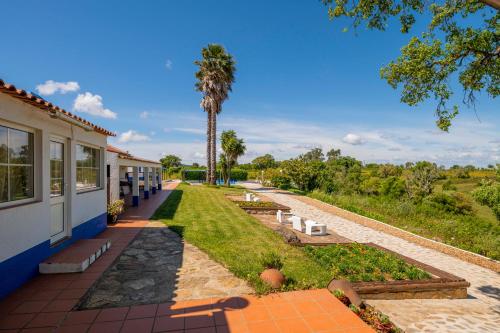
(233, 148)
(215, 77)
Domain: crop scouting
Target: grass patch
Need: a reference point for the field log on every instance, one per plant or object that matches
(235, 239)
(359, 262)
(479, 232)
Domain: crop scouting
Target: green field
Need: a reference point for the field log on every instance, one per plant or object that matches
(217, 226)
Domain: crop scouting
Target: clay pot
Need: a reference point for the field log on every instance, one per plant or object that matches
(273, 277)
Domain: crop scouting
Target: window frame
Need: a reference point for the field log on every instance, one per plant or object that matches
(34, 197)
(99, 173)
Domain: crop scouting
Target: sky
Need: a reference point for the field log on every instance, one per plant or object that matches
(301, 82)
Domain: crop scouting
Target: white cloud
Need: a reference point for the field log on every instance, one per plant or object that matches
(50, 87)
(132, 136)
(168, 64)
(352, 139)
(144, 115)
(190, 130)
(92, 104)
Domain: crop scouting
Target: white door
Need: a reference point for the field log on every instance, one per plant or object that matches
(58, 190)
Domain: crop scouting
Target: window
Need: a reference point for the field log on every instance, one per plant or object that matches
(16, 164)
(88, 168)
(56, 169)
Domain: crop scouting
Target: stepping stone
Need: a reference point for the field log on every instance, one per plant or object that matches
(76, 258)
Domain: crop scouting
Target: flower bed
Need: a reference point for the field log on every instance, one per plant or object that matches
(261, 207)
(358, 262)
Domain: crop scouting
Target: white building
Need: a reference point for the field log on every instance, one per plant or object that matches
(123, 168)
(52, 182)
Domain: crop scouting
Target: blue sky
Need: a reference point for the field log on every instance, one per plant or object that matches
(300, 83)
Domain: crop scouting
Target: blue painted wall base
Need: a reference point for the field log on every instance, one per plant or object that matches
(17, 270)
(153, 189)
(146, 194)
(135, 200)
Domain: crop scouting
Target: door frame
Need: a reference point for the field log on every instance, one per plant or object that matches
(66, 233)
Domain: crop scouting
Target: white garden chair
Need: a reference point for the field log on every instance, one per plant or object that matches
(283, 217)
(297, 223)
(248, 196)
(314, 228)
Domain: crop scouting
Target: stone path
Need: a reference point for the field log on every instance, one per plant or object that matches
(479, 313)
(158, 267)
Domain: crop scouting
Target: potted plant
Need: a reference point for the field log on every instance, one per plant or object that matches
(114, 209)
(272, 275)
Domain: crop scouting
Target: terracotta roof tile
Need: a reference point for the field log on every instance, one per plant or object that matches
(46, 106)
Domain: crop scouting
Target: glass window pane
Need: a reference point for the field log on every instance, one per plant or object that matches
(3, 144)
(3, 184)
(21, 182)
(20, 147)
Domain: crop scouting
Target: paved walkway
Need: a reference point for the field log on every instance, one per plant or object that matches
(479, 313)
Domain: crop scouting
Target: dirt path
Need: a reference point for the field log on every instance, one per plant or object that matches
(479, 313)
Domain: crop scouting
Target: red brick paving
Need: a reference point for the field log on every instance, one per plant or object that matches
(45, 303)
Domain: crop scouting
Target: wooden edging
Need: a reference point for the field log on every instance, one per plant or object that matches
(464, 255)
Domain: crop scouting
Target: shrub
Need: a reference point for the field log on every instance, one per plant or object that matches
(116, 207)
(370, 186)
(452, 202)
(393, 187)
(449, 186)
(488, 194)
(276, 178)
(194, 175)
(271, 260)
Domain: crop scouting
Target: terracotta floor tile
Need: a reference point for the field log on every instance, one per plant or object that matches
(203, 320)
(202, 330)
(44, 295)
(142, 311)
(319, 322)
(282, 310)
(37, 330)
(80, 317)
(167, 309)
(227, 303)
(51, 319)
(224, 318)
(106, 327)
(362, 330)
(112, 314)
(143, 325)
(55, 285)
(234, 328)
(331, 307)
(15, 320)
(256, 313)
(250, 300)
(168, 324)
(304, 307)
(9, 304)
(81, 283)
(348, 319)
(60, 305)
(294, 325)
(72, 293)
(30, 307)
(73, 329)
(262, 326)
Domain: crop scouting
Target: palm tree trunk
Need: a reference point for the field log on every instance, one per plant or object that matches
(209, 146)
(213, 146)
(228, 172)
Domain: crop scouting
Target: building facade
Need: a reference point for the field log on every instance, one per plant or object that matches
(52, 182)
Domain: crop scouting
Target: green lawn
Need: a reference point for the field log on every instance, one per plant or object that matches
(206, 219)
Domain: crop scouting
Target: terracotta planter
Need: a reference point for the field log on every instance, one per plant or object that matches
(273, 277)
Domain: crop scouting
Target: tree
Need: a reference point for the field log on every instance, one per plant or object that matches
(264, 162)
(170, 161)
(215, 77)
(333, 154)
(196, 165)
(420, 181)
(315, 154)
(448, 49)
(232, 148)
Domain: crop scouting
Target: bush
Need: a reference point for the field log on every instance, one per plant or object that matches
(370, 186)
(239, 174)
(488, 194)
(393, 187)
(194, 175)
(449, 186)
(452, 202)
(271, 260)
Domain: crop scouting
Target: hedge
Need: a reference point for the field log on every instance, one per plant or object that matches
(236, 174)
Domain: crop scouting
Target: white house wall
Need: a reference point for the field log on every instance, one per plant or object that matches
(28, 225)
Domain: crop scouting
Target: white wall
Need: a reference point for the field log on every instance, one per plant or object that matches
(28, 225)
(114, 179)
